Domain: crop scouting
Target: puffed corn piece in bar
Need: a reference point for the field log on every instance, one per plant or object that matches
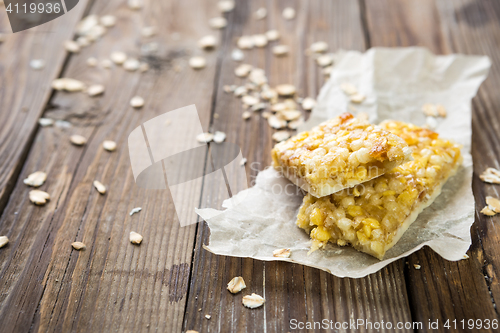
(339, 153)
(373, 216)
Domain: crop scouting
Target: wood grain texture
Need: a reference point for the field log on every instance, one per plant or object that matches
(291, 291)
(24, 92)
(467, 289)
(112, 285)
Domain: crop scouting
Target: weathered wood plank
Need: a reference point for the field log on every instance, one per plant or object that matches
(291, 291)
(112, 285)
(467, 289)
(24, 92)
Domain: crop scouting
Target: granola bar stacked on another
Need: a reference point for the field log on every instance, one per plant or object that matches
(372, 215)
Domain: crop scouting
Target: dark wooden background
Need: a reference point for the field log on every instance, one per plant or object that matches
(162, 285)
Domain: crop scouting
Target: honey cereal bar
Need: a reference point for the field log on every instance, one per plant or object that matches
(373, 216)
(337, 154)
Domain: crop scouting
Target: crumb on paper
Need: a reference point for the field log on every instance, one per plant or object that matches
(282, 253)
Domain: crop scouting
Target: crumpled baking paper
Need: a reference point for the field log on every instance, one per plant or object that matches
(396, 82)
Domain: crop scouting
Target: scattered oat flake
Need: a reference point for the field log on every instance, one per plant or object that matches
(237, 55)
(68, 84)
(253, 301)
(37, 64)
(148, 31)
(266, 115)
(219, 137)
(430, 110)
(293, 125)
(319, 47)
(83, 41)
(324, 60)
(249, 100)
(106, 63)
(243, 70)
(99, 187)
(109, 145)
(108, 20)
(493, 204)
(243, 161)
(273, 35)
(246, 115)
(3, 241)
(285, 89)
(71, 46)
(135, 238)
(36, 179)
(95, 90)
(308, 103)
(77, 140)
(144, 67)
(131, 64)
(208, 317)
(240, 91)
(118, 57)
(276, 122)
(137, 102)
(78, 246)
(348, 88)
(487, 211)
(236, 285)
(197, 62)
(490, 175)
(205, 137)
(225, 6)
(259, 40)
(207, 42)
(282, 253)
(357, 98)
(245, 42)
(416, 266)
(191, 331)
(291, 114)
(431, 123)
(135, 210)
(39, 197)
(260, 13)
(441, 111)
(288, 13)
(281, 136)
(62, 124)
(217, 22)
(44, 122)
(258, 107)
(257, 76)
(134, 4)
(92, 62)
(280, 50)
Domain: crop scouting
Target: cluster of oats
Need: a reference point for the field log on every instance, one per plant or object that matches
(280, 105)
(491, 176)
(252, 301)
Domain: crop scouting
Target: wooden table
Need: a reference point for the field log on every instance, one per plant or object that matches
(170, 282)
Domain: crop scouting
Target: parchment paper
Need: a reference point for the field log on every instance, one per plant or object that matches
(397, 82)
